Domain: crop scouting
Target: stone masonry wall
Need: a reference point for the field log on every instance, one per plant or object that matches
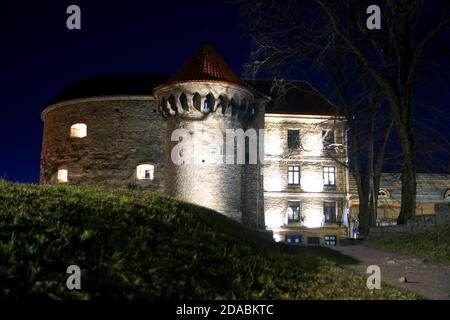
(417, 224)
(204, 181)
(122, 132)
(252, 178)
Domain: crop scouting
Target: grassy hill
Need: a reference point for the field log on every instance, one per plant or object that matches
(432, 244)
(138, 245)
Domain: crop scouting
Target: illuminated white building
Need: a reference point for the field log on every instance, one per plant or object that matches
(305, 177)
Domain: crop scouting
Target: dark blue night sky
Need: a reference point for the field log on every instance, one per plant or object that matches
(40, 56)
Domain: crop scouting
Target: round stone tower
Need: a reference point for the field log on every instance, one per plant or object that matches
(105, 131)
(208, 108)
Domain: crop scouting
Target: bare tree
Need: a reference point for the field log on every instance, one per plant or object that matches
(369, 125)
(287, 31)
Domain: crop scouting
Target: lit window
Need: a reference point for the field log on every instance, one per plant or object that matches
(293, 211)
(145, 172)
(293, 239)
(329, 210)
(293, 175)
(62, 176)
(327, 137)
(78, 130)
(253, 111)
(205, 105)
(329, 176)
(330, 240)
(293, 139)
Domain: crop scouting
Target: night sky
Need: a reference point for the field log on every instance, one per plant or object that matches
(40, 56)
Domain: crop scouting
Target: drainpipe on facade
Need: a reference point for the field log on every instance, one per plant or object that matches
(347, 185)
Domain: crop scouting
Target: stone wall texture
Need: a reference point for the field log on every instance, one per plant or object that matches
(417, 224)
(206, 179)
(431, 190)
(122, 133)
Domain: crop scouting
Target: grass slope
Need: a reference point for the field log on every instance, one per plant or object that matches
(137, 245)
(433, 244)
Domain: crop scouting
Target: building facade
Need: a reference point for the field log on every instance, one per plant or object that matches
(305, 188)
(432, 189)
(118, 131)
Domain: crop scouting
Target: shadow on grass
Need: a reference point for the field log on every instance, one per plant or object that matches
(324, 252)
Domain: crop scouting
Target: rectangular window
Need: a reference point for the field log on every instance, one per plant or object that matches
(145, 172)
(329, 210)
(329, 176)
(327, 137)
(294, 175)
(293, 239)
(330, 240)
(293, 211)
(62, 175)
(314, 240)
(293, 139)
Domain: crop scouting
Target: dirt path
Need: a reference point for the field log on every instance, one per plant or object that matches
(430, 280)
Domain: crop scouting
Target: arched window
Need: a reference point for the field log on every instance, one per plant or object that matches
(208, 103)
(223, 103)
(145, 172)
(78, 130)
(383, 193)
(173, 103)
(447, 194)
(62, 176)
(184, 102)
(197, 101)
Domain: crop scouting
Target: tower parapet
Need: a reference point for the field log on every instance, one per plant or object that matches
(196, 99)
(204, 84)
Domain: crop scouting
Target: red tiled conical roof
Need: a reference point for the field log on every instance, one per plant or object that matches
(205, 65)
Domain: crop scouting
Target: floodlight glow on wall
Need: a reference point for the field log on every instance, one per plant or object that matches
(312, 181)
(313, 219)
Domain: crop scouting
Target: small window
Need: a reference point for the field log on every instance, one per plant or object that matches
(78, 130)
(328, 138)
(145, 172)
(447, 194)
(293, 139)
(329, 176)
(293, 239)
(293, 175)
(208, 103)
(330, 240)
(293, 211)
(329, 210)
(314, 240)
(62, 176)
(197, 101)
